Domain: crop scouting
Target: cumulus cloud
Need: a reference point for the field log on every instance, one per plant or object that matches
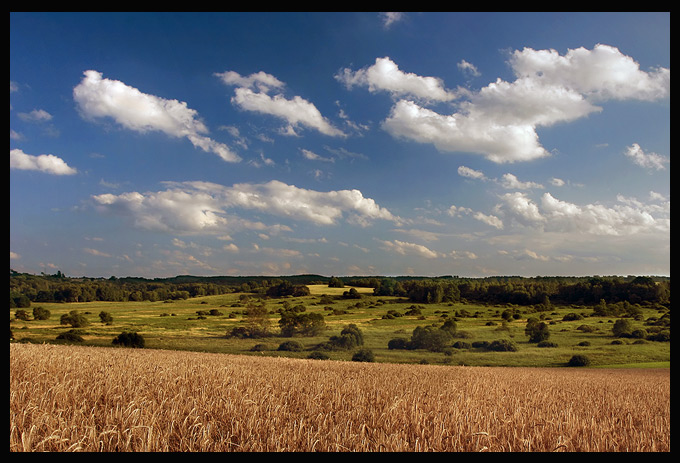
(404, 248)
(471, 133)
(602, 73)
(646, 160)
(500, 121)
(553, 215)
(98, 97)
(259, 80)
(37, 115)
(47, 163)
(491, 220)
(511, 181)
(191, 207)
(172, 210)
(324, 208)
(295, 111)
(386, 76)
(464, 171)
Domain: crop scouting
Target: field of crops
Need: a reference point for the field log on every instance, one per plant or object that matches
(81, 398)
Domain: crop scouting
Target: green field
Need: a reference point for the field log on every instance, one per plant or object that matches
(176, 325)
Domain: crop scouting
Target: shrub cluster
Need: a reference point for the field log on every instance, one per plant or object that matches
(129, 339)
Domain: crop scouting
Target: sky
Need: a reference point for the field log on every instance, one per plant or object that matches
(347, 143)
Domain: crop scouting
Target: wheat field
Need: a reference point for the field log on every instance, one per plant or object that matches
(99, 399)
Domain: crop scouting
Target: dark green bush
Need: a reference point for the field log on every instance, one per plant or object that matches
(397, 343)
(129, 339)
(546, 344)
(316, 355)
(363, 355)
(70, 336)
(502, 345)
(462, 345)
(622, 328)
(661, 336)
(290, 346)
(578, 360)
(21, 314)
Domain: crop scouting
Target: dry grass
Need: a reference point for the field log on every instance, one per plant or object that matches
(102, 399)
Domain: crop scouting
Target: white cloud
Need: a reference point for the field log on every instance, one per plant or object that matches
(259, 80)
(491, 220)
(391, 17)
(386, 76)
(99, 98)
(557, 216)
(471, 173)
(519, 207)
(192, 207)
(472, 133)
(172, 210)
(37, 115)
(601, 73)
(312, 156)
(324, 208)
(296, 111)
(468, 68)
(231, 247)
(47, 163)
(403, 248)
(510, 181)
(500, 121)
(646, 160)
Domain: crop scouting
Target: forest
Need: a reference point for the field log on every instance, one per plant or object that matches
(522, 291)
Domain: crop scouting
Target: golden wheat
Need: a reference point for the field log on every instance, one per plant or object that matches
(104, 399)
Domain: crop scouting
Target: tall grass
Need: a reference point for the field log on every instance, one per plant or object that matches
(66, 398)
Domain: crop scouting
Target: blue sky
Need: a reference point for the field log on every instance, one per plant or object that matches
(471, 144)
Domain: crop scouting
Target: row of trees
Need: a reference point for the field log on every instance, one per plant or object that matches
(25, 288)
(529, 291)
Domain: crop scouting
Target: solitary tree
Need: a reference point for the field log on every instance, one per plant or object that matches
(537, 331)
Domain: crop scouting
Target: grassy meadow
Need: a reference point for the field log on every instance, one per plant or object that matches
(176, 325)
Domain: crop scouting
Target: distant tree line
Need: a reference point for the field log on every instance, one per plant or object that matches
(26, 288)
(530, 291)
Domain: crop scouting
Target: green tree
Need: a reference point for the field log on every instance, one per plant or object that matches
(335, 282)
(105, 317)
(257, 320)
(431, 338)
(536, 330)
(301, 324)
(74, 318)
(40, 313)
